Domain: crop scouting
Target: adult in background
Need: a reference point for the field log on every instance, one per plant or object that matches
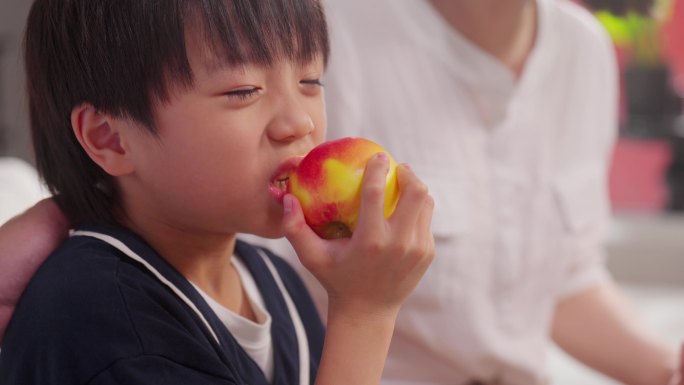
(508, 111)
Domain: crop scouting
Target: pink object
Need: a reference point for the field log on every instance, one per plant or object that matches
(637, 175)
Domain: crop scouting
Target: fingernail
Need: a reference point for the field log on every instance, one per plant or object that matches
(407, 166)
(382, 155)
(287, 204)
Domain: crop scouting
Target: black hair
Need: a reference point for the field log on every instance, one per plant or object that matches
(123, 57)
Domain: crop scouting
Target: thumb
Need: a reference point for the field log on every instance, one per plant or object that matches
(306, 243)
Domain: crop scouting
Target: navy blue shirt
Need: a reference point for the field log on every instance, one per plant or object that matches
(92, 315)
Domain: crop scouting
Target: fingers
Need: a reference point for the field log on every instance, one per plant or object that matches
(409, 225)
(25, 242)
(304, 240)
(376, 269)
(53, 221)
(411, 215)
(423, 223)
(28, 238)
(373, 193)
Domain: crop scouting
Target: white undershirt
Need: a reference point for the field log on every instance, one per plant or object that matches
(253, 337)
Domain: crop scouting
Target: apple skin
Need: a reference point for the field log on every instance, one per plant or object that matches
(327, 183)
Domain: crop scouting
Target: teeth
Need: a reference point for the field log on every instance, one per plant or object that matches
(281, 183)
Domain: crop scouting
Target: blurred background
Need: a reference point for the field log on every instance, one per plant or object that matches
(646, 245)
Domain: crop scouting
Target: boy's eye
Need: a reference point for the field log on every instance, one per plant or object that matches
(312, 82)
(242, 93)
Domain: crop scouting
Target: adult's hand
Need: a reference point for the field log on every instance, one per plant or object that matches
(599, 328)
(678, 378)
(25, 241)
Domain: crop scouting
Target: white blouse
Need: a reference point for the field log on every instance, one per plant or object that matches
(518, 170)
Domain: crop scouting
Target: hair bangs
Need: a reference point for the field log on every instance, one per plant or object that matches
(261, 32)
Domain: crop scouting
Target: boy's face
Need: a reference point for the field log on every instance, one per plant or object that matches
(222, 146)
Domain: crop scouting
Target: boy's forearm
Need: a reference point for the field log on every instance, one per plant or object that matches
(599, 329)
(355, 348)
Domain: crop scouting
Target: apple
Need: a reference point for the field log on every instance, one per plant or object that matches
(327, 183)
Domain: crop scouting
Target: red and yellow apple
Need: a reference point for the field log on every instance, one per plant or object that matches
(328, 181)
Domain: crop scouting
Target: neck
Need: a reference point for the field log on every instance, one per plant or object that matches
(198, 254)
(504, 29)
(193, 254)
(203, 258)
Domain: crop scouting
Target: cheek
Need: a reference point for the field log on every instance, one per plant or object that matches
(190, 168)
(205, 193)
(209, 149)
(207, 172)
(320, 121)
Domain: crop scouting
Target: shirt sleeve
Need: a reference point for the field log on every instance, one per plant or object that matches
(586, 215)
(585, 273)
(584, 192)
(152, 369)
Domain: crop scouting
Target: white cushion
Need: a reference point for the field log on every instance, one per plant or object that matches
(20, 187)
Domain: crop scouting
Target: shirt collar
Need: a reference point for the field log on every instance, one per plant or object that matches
(491, 84)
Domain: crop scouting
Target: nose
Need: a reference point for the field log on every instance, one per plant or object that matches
(291, 121)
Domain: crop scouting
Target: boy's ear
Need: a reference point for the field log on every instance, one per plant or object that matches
(99, 136)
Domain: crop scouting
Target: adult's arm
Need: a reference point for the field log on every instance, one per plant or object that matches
(597, 326)
(25, 241)
(678, 377)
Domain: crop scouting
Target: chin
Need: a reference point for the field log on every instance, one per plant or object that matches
(271, 227)
(271, 233)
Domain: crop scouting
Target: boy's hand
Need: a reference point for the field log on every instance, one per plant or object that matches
(371, 273)
(25, 241)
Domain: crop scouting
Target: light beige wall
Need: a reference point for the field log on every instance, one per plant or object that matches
(647, 249)
(14, 135)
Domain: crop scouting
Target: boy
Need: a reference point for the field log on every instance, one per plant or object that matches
(162, 131)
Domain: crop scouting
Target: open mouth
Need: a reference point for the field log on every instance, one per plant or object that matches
(280, 182)
(278, 188)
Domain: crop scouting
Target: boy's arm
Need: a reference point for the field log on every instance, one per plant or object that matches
(25, 241)
(368, 276)
(597, 327)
